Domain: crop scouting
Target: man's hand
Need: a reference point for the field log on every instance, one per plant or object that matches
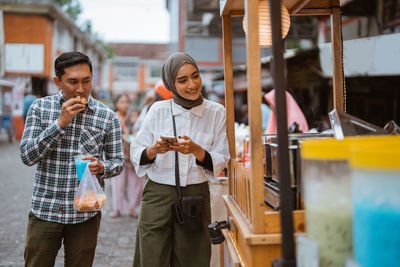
(69, 109)
(95, 166)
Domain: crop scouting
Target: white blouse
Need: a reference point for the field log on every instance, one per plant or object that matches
(204, 124)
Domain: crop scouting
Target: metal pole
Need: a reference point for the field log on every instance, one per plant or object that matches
(278, 68)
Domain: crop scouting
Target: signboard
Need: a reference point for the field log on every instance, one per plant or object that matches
(24, 58)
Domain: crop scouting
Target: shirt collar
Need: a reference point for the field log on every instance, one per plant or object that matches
(90, 103)
(197, 110)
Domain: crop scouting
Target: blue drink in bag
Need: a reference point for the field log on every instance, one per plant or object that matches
(80, 165)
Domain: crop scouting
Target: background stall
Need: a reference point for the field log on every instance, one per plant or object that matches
(258, 234)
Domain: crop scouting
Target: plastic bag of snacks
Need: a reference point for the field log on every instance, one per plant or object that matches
(89, 196)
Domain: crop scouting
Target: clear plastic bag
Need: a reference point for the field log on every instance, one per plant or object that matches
(89, 196)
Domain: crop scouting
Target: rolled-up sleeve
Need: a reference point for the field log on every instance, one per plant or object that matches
(36, 143)
(143, 140)
(219, 149)
(113, 152)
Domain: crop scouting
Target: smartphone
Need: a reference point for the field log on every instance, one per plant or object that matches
(170, 140)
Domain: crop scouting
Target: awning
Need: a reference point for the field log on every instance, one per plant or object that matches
(374, 56)
(6, 83)
(303, 71)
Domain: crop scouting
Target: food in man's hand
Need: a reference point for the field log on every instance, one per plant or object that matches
(82, 99)
(101, 200)
(90, 201)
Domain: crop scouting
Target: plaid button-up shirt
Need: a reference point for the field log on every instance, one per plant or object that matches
(95, 131)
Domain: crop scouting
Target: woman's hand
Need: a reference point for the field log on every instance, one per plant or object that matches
(189, 147)
(159, 147)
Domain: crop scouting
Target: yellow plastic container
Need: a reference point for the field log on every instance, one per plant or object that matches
(375, 172)
(327, 190)
(326, 186)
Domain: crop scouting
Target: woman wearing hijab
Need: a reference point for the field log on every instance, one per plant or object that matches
(293, 113)
(202, 154)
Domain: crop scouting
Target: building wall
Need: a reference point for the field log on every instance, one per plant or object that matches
(30, 29)
(206, 50)
(63, 39)
(354, 28)
(359, 27)
(133, 74)
(173, 8)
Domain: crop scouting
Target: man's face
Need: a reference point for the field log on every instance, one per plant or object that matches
(77, 80)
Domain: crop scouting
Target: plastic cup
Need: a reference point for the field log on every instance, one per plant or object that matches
(376, 205)
(80, 165)
(327, 195)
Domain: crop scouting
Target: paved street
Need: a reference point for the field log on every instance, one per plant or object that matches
(116, 237)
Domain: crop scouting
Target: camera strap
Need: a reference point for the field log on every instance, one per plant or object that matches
(177, 180)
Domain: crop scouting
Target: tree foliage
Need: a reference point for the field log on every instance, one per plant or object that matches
(74, 9)
(71, 7)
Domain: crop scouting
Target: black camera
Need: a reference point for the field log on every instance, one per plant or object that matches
(216, 236)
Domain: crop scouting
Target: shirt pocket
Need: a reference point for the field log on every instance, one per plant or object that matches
(205, 140)
(91, 142)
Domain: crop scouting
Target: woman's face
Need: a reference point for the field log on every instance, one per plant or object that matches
(188, 82)
(122, 104)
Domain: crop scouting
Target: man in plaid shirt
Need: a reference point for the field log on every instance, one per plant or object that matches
(58, 128)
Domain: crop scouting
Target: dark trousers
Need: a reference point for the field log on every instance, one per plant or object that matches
(43, 240)
(160, 242)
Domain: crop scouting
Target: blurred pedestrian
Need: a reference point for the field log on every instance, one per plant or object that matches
(160, 92)
(29, 98)
(203, 153)
(130, 122)
(127, 184)
(265, 113)
(136, 184)
(293, 112)
(57, 128)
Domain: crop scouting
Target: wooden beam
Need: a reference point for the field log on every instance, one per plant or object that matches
(313, 12)
(244, 226)
(221, 254)
(254, 113)
(233, 251)
(237, 13)
(345, 2)
(337, 61)
(228, 79)
(229, 94)
(299, 5)
(224, 7)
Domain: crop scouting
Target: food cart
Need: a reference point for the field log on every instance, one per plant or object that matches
(258, 234)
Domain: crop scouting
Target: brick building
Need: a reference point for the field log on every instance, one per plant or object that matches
(32, 34)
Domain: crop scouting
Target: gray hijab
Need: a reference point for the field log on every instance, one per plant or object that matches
(171, 67)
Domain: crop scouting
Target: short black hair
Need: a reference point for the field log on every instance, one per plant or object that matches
(69, 59)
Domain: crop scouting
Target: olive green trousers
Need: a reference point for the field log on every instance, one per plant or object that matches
(43, 240)
(160, 240)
